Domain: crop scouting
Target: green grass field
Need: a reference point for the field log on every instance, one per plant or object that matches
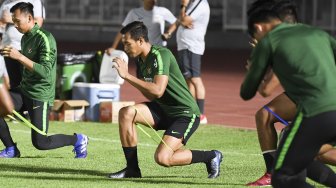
(57, 168)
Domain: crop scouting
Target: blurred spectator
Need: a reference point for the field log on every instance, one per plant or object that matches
(193, 23)
(154, 18)
(12, 37)
(3, 69)
(6, 105)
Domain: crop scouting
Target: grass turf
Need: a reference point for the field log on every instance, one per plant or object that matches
(242, 161)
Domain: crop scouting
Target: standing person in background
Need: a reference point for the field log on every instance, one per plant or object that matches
(193, 23)
(12, 36)
(154, 18)
(6, 105)
(3, 70)
(36, 92)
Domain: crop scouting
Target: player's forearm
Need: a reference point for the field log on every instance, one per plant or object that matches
(148, 89)
(26, 62)
(251, 83)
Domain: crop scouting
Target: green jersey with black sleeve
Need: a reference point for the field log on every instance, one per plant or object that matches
(302, 57)
(39, 46)
(176, 100)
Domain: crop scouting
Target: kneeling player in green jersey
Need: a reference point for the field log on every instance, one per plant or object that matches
(302, 58)
(171, 107)
(282, 109)
(37, 89)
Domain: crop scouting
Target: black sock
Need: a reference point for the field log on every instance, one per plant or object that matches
(269, 160)
(321, 173)
(5, 135)
(200, 103)
(202, 156)
(131, 155)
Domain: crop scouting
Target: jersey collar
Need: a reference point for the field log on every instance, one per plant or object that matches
(33, 31)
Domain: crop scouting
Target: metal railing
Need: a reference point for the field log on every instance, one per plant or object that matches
(318, 13)
(225, 14)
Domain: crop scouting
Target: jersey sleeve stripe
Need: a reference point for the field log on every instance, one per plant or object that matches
(45, 38)
(159, 61)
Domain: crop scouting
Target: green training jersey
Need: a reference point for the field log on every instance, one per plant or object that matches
(302, 57)
(176, 100)
(39, 46)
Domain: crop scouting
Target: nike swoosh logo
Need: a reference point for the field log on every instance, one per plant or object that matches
(175, 132)
(35, 107)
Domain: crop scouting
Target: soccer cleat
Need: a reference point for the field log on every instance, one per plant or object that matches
(213, 166)
(126, 173)
(80, 148)
(263, 181)
(10, 152)
(203, 119)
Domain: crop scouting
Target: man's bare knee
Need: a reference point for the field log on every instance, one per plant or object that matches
(264, 115)
(127, 113)
(163, 159)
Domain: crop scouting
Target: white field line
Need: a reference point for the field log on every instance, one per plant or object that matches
(142, 144)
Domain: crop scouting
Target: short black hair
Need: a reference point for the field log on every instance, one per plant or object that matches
(27, 8)
(261, 15)
(287, 11)
(260, 4)
(137, 30)
(264, 10)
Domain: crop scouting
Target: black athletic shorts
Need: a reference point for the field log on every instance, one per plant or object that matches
(190, 63)
(178, 127)
(38, 110)
(14, 69)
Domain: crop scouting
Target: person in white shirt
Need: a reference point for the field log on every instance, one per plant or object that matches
(154, 18)
(12, 37)
(6, 105)
(3, 70)
(193, 23)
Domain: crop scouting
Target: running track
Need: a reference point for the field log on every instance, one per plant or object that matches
(222, 72)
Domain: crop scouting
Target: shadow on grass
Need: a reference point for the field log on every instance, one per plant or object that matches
(63, 175)
(163, 180)
(36, 169)
(39, 157)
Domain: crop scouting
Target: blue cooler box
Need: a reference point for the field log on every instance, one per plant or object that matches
(95, 93)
